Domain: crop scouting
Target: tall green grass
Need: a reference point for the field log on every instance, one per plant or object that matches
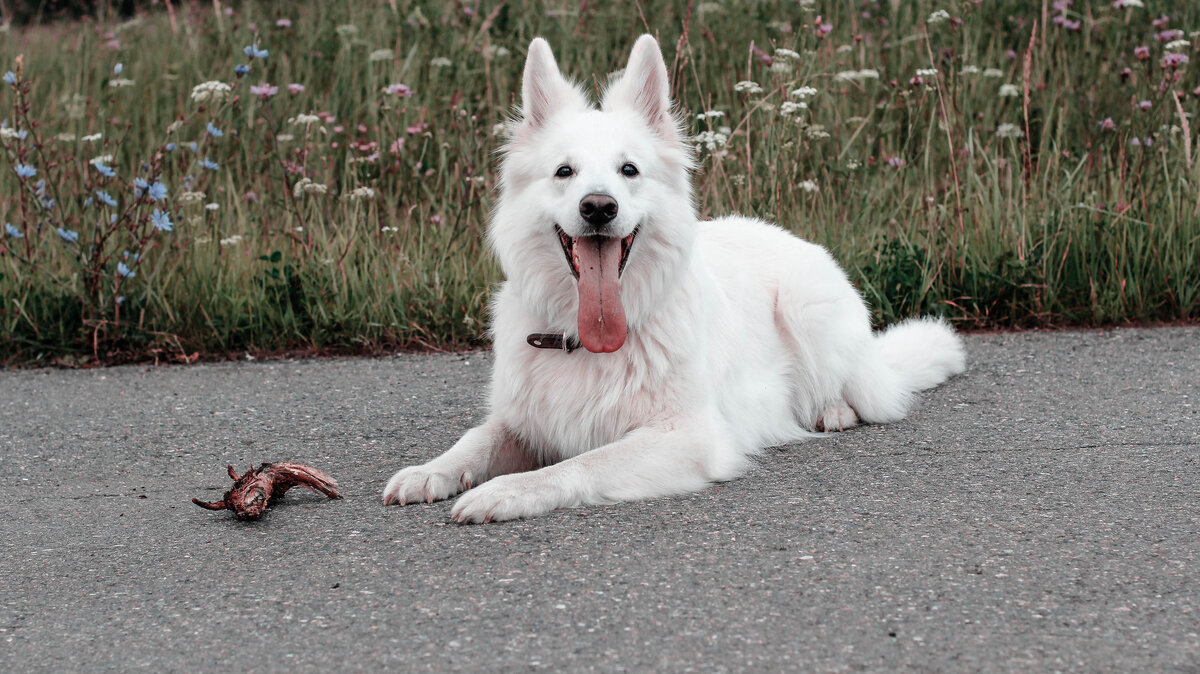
(1021, 184)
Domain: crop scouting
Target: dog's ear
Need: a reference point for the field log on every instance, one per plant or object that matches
(544, 90)
(644, 88)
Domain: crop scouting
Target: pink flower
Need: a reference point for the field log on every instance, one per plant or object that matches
(417, 128)
(821, 28)
(1161, 22)
(1174, 60)
(1108, 125)
(295, 88)
(896, 162)
(1142, 53)
(283, 23)
(1145, 105)
(1169, 35)
(396, 146)
(264, 90)
(436, 218)
(401, 90)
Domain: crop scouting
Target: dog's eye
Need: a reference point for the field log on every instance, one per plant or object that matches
(563, 171)
(629, 170)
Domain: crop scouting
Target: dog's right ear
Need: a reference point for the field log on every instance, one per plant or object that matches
(544, 90)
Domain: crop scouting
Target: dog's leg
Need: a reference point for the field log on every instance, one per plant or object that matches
(481, 454)
(837, 416)
(646, 463)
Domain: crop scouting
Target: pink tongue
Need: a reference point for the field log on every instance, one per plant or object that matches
(602, 326)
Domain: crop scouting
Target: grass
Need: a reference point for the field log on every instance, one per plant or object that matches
(956, 161)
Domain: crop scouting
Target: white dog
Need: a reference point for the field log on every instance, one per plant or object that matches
(682, 347)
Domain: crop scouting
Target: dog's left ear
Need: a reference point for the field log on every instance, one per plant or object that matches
(644, 87)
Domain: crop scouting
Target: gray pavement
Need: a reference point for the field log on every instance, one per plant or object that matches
(1040, 512)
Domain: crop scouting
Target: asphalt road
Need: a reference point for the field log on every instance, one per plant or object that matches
(1040, 512)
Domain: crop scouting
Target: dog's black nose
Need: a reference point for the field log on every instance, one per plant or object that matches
(598, 209)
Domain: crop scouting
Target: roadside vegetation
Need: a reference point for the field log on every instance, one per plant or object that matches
(208, 179)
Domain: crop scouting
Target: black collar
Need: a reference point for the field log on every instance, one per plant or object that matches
(553, 340)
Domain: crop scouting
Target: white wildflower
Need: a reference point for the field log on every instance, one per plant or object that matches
(9, 133)
(1009, 131)
(781, 66)
(65, 137)
(307, 186)
(711, 114)
(709, 8)
(747, 87)
(1128, 3)
(75, 104)
(494, 51)
(91, 138)
(710, 140)
(120, 82)
(500, 129)
(232, 241)
(102, 159)
(789, 108)
(389, 229)
(809, 186)
(285, 138)
(993, 72)
(1177, 44)
(189, 197)
(1009, 91)
(211, 91)
(380, 55)
(440, 62)
(212, 207)
(857, 75)
(927, 72)
(969, 70)
(816, 131)
(853, 164)
(786, 54)
(803, 92)
(304, 118)
(806, 4)
(938, 16)
(361, 193)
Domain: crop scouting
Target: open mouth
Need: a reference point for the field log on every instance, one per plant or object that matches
(568, 246)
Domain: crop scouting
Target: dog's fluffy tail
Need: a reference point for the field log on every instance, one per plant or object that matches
(911, 356)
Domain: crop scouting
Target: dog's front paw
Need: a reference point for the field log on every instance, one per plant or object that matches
(422, 483)
(508, 497)
(837, 417)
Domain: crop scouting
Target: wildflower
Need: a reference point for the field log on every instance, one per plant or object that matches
(214, 131)
(139, 187)
(92, 137)
(711, 140)
(13, 231)
(211, 91)
(252, 51)
(1177, 44)
(304, 119)
(347, 30)
(896, 162)
(857, 75)
(1142, 53)
(232, 241)
(307, 186)
(1134, 142)
(25, 171)
(10, 134)
(65, 138)
(157, 191)
(106, 198)
(120, 82)
(295, 88)
(285, 138)
(789, 108)
(747, 87)
(809, 186)
(816, 131)
(969, 70)
(398, 89)
(820, 28)
(70, 236)
(803, 92)
(993, 72)
(1009, 91)
(361, 193)
(1009, 131)
(786, 54)
(1169, 35)
(1108, 125)
(283, 23)
(161, 220)
(118, 68)
(212, 207)
(1127, 3)
(241, 70)
(1174, 60)
(209, 164)
(938, 16)
(124, 271)
(440, 62)
(188, 197)
(264, 90)
(380, 55)
(10, 78)
(1145, 105)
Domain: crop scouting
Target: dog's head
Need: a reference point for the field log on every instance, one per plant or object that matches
(595, 219)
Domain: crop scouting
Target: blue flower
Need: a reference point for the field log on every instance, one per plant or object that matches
(241, 70)
(136, 256)
(139, 187)
(26, 171)
(106, 198)
(123, 270)
(10, 77)
(209, 164)
(214, 131)
(68, 235)
(161, 221)
(193, 146)
(254, 52)
(157, 191)
(104, 169)
(13, 231)
(171, 147)
(118, 68)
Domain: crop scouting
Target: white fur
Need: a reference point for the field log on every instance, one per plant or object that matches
(741, 336)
